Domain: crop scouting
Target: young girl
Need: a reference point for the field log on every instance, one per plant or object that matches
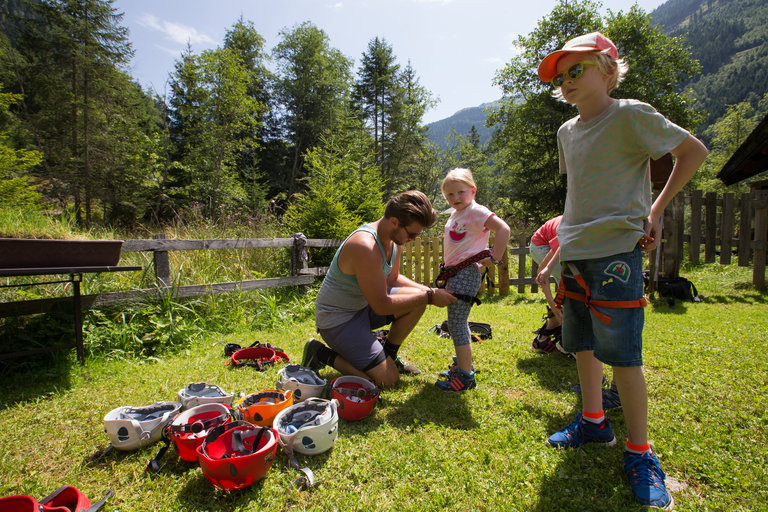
(466, 234)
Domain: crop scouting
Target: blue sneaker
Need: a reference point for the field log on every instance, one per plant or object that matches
(458, 381)
(580, 432)
(647, 480)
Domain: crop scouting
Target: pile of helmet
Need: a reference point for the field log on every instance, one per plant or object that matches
(235, 442)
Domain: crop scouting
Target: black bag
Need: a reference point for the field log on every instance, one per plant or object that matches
(677, 288)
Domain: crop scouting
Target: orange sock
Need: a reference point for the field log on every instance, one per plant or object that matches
(638, 448)
(593, 417)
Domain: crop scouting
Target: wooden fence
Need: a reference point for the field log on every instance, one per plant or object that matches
(725, 226)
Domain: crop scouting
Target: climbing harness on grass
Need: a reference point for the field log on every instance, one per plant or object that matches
(260, 357)
(479, 331)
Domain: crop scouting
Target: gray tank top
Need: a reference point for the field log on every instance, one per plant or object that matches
(340, 297)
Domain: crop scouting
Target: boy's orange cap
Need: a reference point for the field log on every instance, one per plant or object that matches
(592, 42)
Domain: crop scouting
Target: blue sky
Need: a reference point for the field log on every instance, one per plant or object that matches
(455, 46)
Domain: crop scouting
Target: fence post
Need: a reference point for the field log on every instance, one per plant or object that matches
(161, 263)
(504, 273)
(745, 229)
(726, 229)
(521, 264)
(299, 256)
(694, 248)
(710, 208)
(761, 238)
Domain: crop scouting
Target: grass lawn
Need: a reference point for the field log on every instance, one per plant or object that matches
(422, 449)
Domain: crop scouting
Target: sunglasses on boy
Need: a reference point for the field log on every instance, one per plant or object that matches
(573, 72)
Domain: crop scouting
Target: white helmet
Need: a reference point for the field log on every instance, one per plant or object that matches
(198, 393)
(130, 428)
(188, 429)
(304, 382)
(310, 427)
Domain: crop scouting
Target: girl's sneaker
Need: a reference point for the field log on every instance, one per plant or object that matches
(458, 380)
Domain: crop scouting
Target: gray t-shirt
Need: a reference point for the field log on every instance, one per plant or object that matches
(606, 160)
(340, 297)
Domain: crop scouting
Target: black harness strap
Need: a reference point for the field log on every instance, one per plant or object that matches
(448, 272)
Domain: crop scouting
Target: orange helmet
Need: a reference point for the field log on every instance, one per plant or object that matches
(261, 408)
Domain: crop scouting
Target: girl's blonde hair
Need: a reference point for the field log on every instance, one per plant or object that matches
(616, 69)
(459, 174)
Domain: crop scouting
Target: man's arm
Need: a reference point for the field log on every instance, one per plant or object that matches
(362, 256)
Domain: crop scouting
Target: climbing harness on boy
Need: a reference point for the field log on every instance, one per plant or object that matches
(586, 297)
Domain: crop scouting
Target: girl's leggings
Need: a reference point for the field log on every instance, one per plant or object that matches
(466, 282)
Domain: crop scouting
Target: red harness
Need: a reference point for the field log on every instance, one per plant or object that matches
(586, 298)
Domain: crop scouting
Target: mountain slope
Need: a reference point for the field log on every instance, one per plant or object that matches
(462, 122)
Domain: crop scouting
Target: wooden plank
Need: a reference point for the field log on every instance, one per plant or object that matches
(31, 307)
(426, 263)
(417, 260)
(504, 273)
(726, 228)
(407, 269)
(761, 236)
(745, 229)
(522, 239)
(218, 243)
(710, 210)
(694, 246)
(437, 257)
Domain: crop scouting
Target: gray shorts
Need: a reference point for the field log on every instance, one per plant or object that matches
(355, 341)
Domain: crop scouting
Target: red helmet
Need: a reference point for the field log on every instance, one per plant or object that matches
(188, 429)
(237, 454)
(356, 396)
(261, 408)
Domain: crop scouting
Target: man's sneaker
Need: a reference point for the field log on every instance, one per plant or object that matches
(309, 356)
(544, 346)
(647, 480)
(406, 368)
(582, 431)
(458, 380)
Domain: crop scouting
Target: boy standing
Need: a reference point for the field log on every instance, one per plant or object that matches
(605, 153)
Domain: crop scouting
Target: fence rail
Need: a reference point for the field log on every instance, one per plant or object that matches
(724, 225)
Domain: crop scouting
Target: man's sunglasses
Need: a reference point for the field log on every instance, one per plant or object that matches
(573, 72)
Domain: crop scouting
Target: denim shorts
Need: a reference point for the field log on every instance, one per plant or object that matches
(355, 341)
(617, 277)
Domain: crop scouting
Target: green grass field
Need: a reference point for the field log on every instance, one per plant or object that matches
(422, 449)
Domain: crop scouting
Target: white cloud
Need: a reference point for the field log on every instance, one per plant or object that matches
(176, 32)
